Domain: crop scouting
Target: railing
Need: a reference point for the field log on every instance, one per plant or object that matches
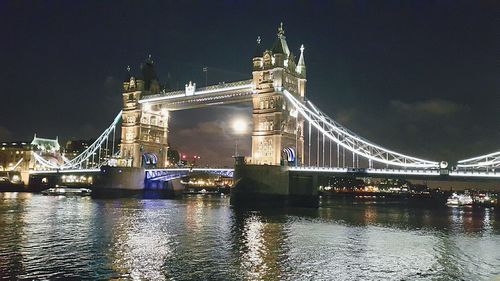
(171, 173)
(367, 171)
(220, 88)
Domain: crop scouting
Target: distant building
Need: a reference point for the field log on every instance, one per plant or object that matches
(74, 147)
(11, 153)
(19, 155)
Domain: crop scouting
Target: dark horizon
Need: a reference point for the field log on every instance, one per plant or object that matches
(420, 78)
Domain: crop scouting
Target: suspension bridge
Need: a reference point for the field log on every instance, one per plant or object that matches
(336, 149)
(288, 129)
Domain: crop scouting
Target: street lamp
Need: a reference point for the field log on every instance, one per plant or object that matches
(239, 128)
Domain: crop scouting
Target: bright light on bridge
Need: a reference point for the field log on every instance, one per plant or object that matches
(239, 126)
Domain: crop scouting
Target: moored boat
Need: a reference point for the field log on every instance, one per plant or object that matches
(459, 200)
(62, 190)
(485, 199)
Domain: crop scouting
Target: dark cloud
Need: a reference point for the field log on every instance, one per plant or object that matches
(205, 129)
(346, 116)
(432, 106)
(88, 130)
(5, 134)
(208, 132)
(111, 83)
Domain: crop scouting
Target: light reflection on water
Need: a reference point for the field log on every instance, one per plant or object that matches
(203, 238)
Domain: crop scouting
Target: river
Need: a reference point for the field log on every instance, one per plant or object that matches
(204, 238)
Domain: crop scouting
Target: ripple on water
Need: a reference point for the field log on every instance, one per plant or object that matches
(201, 238)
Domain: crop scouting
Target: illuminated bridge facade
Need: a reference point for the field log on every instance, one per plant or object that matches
(288, 129)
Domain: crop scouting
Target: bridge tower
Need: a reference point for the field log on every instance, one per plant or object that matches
(277, 135)
(144, 126)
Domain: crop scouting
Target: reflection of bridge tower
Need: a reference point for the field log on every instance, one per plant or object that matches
(277, 128)
(144, 126)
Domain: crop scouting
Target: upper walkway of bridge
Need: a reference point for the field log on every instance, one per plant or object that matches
(232, 92)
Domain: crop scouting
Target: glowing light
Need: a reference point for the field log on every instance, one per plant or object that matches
(16, 178)
(239, 126)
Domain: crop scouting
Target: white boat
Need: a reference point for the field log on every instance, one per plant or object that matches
(459, 200)
(67, 191)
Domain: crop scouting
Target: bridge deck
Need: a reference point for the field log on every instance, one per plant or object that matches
(226, 93)
(397, 172)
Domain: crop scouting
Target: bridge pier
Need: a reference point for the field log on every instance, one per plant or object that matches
(270, 185)
(119, 181)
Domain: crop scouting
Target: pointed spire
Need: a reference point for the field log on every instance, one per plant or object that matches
(128, 74)
(301, 65)
(258, 50)
(281, 31)
(280, 46)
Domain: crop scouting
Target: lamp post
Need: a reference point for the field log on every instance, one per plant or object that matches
(239, 128)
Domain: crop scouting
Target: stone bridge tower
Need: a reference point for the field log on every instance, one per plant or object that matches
(277, 136)
(144, 126)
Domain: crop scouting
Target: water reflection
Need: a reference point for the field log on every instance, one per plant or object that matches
(203, 238)
(466, 220)
(140, 241)
(258, 244)
(12, 211)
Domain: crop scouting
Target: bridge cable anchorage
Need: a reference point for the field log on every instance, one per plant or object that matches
(96, 146)
(352, 142)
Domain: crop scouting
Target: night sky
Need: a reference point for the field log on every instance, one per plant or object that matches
(419, 77)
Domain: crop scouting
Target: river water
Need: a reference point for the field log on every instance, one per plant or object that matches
(204, 238)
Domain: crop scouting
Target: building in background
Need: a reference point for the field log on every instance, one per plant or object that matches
(74, 147)
(19, 155)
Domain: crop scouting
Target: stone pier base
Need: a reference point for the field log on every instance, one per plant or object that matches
(266, 185)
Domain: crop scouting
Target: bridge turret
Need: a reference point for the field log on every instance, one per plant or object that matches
(149, 77)
(280, 48)
(144, 125)
(277, 130)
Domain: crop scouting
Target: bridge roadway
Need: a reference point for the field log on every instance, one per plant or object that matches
(253, 183)
(166, 174)
(173, 173)
(399, 173)
(119, 177)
